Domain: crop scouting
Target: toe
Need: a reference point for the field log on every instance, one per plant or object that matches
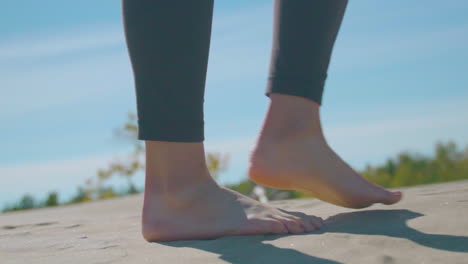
(317, 222)
(270, 226)
(262, 226)
(294, 226)
(277, 227)
(310, 223)
(313, 222)
(392, 197)
(389, 197)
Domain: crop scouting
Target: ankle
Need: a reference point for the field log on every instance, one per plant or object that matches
(175, 167)
(166, 186)
(291, 117)
(180, 197)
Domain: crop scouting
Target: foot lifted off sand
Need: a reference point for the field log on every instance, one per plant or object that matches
(309, 165)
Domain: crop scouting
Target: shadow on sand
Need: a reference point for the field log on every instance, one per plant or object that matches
(392, 223)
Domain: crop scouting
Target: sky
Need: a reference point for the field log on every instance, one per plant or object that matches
(397, 82)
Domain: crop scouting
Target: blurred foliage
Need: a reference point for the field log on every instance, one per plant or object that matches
(126, 168)
(216, 163)
(27, 202)
(81, 196)
(51, 200)
(407, 169)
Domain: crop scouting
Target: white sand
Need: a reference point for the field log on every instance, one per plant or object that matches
(430, 225)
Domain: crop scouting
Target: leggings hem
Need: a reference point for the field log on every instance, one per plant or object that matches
(181, 131)
(310, 89)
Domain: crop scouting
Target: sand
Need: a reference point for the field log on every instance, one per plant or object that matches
(430, 225)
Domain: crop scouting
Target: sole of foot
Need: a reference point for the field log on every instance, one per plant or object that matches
(309, 165)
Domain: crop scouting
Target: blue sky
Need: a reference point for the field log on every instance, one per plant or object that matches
(397, 81)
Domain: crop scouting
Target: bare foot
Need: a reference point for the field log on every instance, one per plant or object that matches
(207, 211)
(292, 153)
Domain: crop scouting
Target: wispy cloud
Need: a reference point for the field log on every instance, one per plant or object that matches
(408, 128)
(60, 43)
(73, 79)
(364, 51)
(74, 82)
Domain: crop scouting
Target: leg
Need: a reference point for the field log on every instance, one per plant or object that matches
(291, 152)
(181, 199)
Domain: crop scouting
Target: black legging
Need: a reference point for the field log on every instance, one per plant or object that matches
(168, 42)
